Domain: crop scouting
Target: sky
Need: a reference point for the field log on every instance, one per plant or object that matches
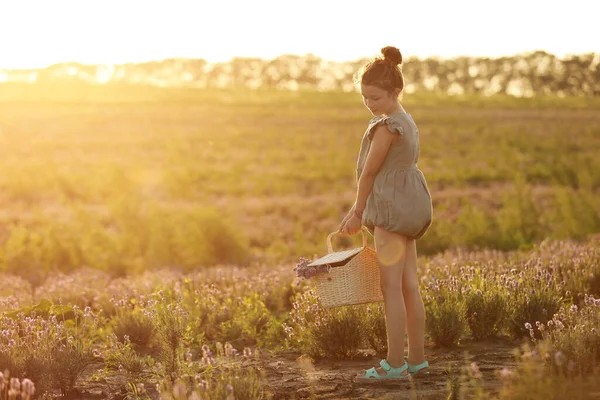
(38, 33)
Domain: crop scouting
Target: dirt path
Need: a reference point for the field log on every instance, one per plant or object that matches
(294, 376)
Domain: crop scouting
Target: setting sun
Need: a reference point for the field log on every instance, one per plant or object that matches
(39, 33)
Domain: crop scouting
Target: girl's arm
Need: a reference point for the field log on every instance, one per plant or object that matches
(347, 218)
(380, 144)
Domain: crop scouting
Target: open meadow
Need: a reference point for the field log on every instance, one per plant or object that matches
(148, 238)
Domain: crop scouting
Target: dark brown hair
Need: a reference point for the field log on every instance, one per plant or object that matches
(384, 72)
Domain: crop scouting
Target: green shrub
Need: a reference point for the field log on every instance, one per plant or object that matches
(445, 322)
(50, 349)
(375, 328)
(543, 373)
(576, 213)
(132, 238)
(519, 220)
(67, 361)
(136, 326)
(576, 334)
(485, 312)
(121, 355)
(320, 332)
(171, 334)
(528, 306)
(476, 228)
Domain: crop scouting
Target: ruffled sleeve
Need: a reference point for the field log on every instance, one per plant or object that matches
(392, 125)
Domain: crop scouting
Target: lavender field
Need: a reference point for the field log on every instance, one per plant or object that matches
(148, 238)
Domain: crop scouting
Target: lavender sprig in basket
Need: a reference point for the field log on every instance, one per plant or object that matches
(304, 271)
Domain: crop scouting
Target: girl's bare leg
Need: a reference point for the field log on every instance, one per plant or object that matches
(415, 310)
(391, 254)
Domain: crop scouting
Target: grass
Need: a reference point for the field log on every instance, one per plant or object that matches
(123, 179)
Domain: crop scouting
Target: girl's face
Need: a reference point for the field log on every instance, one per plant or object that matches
(377, 100)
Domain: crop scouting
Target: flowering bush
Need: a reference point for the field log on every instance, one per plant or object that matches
(136, 326)
(575, 334)
(530, 302)
(323, 332)
(159, 327)
(374, 327)
(444, 309)
(52, 348)
(543, 372)
(485, 312)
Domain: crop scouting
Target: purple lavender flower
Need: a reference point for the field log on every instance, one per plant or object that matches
(573, 308)
(15, 384)
(27, 388)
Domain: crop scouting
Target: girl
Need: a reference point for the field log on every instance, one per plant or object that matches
(393, 202)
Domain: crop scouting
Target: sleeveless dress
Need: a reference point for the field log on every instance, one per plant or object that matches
(400, 200)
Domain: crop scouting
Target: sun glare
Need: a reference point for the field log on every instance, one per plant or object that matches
(117, 32)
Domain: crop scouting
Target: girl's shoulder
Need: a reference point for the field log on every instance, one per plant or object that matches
(405, 120)
(392, 122)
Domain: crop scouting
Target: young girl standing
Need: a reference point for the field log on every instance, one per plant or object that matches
(393, 202)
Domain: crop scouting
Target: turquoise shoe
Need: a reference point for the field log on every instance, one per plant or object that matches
(392, 374)
(413, 369)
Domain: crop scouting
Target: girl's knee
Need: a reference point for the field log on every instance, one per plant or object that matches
(410, 287)
(391, 286)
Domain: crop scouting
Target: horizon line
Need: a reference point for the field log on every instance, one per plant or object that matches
(437, 57)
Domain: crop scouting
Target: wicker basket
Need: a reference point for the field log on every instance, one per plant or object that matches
(353, 276)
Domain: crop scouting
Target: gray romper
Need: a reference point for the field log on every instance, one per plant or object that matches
(400, 200)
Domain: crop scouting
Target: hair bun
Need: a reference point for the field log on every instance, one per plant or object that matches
(392, 54)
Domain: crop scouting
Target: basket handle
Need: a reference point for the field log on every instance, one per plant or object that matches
(330, 247)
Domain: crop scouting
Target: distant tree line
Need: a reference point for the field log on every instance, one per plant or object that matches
(526, 74)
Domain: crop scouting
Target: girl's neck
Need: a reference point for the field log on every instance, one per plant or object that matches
(396, 109)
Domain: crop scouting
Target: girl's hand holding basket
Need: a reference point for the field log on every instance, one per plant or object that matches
(352, 223)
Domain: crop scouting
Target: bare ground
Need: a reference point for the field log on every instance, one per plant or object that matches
(296, 376)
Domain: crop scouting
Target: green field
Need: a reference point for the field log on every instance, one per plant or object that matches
(124, 178)
(148, 237)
